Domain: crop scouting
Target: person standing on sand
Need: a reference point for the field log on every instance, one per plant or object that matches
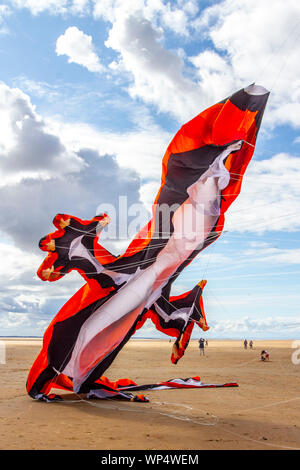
(251, 344)
(245, 344)
(201, 346)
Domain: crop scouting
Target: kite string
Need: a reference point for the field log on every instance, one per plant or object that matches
(246, 143)
(151, 411)
(149, 260)
(145, 261)
(182, 417)
(268, 63)
(285, 61)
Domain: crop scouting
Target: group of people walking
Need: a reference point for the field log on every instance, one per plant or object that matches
(246, 344)
(264, 355)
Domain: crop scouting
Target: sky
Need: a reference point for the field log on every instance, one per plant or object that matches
(92, 92)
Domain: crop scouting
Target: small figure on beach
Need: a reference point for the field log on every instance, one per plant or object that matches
(245, 344)
(201, 346)
(206, 343)
(251, 344)
(265, 355)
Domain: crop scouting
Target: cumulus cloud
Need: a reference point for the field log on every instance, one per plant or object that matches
(48, 163)
(270, 195)
(54, 7)
(157, 73)
(33, 202)
(15, 262)
(279, 325)
(171, 15)
(141, 148)
(27, 304)
(272, 198)
(256, 41)
(270, 327)
(240, 41)
(250, 41)
(265, 253)
(38, 6)
(4, 12)
(26, 147)
(79, 48)
(43, 176)
(81, 7)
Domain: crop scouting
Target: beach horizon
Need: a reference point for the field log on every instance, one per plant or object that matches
(263, 412)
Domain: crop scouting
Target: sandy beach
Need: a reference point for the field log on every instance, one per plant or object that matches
(262, 413)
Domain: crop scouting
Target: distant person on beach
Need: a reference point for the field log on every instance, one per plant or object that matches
(245, 344)
(264, 355)
(251, 344)
(201, 346)
(206, 343)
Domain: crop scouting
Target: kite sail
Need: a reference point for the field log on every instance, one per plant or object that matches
(117, 389)
(202, 173)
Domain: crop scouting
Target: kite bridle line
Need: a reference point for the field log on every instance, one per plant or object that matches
(140, 263)
(168, 233)
(148, 411)
(248, 143)
(183, 417)
(284, 62)
(137, 263)
(275, 53)
(58, 372)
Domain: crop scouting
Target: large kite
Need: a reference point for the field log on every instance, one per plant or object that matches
(202, 173)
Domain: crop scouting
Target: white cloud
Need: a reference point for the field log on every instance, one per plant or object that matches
(81, 7)
(156, 72)
(26, 303)
(253, 41)
(215, 75)
(26, 147)
(148, 191)
(159, 12)
(270, 327)
(15, 262)
(40, 89)
(79, 48)
(54, 7)
(258, 41)
(14, 320)
(141, 149)
(268, 254)
(156, 75)
(270, 197)
(4, 11)
(43, 176)
(250, 41)
(280, 325)
(38, 6)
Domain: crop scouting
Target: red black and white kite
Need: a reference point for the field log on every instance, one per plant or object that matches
(202, 173)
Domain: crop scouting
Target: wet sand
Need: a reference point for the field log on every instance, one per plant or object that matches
(262, 413)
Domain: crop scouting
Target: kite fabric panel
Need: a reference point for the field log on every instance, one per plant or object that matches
(202, 173)
(193, 382)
